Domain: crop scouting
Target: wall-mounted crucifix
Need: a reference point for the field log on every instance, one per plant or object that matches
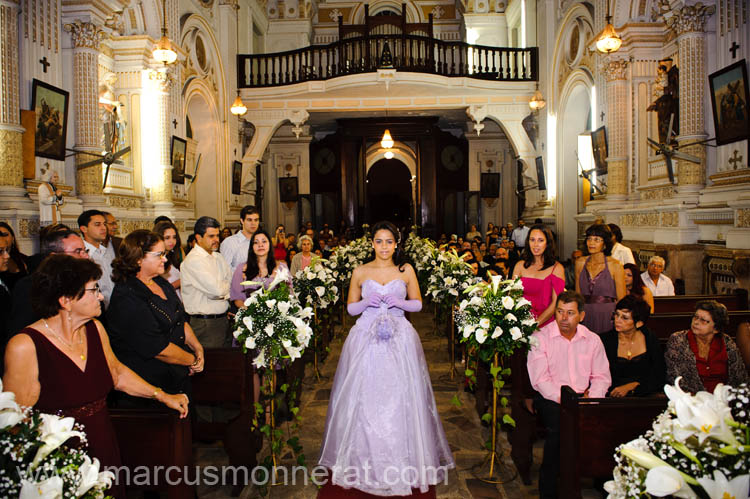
(45, 64)
(733, 49)
(174, 123)
(602, 116)
(736, 158)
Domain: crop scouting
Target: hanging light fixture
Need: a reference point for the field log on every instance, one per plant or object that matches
(608, 40)
(537, 102)
(163, 51)
(238, 107)
(387, 141)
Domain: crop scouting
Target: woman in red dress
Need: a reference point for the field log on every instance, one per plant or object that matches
(63, 363)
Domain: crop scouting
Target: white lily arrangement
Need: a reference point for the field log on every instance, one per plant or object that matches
(496, 318)
(449, 276)
(36, 463)
(316, 284)
(273, 323)
(345, 259)
(699, 447)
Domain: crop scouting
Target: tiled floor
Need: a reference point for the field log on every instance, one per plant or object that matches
(462, 426)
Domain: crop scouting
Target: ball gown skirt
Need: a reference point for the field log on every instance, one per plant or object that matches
(383, 434)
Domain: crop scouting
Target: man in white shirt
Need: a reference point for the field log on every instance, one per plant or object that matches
(93, 227)
(658, 283)
(620, 251)
(234, 248)
(205, 286)
(519, 234)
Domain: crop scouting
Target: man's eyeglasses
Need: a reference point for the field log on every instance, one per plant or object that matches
(96, 289)
(158, 254)
(701, 320)
(78, 251)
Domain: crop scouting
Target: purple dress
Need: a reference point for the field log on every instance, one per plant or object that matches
(382, 418)
(601, 297)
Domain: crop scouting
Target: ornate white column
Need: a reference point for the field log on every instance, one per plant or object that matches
(161, 190)
(11, 165)
(689, 23)
(86, 37)
(616, 73)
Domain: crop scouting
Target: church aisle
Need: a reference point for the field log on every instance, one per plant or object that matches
(462, 427)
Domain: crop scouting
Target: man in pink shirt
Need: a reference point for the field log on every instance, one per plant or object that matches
(566, 353)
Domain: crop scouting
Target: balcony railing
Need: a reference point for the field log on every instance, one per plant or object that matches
(419, 54)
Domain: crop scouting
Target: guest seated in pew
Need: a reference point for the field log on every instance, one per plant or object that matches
(567, 353)
(705, 355)
(635, 286)
(162, 349)
(63, 363)
(743, 343)
(635, 358)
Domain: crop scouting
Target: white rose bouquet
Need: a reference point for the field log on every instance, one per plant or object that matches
(449, 277)
(274, 323)
(496, 318)
(37, 463)
(316, 285)
(698, 447)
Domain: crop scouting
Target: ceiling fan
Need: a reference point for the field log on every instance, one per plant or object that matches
(670, 150)
(106, 159)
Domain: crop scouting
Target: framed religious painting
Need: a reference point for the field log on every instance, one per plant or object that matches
(489, 186)
(599, 148)
(288, 189)
(50, 106)
(540, 180)
(237, 178)
(729, 101)
(177, 154)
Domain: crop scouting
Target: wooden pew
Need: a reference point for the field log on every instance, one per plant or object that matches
(686, 303)
(591, 429)
(663, 325)
(227, 380)
(155, 438)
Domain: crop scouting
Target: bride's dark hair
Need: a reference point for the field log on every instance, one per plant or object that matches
(399, 257)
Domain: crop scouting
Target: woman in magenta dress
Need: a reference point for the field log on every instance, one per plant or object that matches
(63, 363)
(543, 279)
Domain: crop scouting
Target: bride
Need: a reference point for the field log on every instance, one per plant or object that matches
(383, 434)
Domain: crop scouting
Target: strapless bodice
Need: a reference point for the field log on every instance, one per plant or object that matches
(392, 288)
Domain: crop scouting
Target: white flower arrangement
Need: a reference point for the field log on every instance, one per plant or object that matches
(36, 462)
(316, 284)
(449, 276)
(274, 323)
(496, 318)
(698, 447)
(345, 259)
(424, 257)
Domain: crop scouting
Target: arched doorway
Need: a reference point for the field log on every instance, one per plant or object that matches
(389, 193)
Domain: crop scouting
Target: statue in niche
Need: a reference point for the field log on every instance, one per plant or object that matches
(668, 99)
(110, 115)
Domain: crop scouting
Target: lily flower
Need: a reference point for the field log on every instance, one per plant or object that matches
(55, 432)
(721, 488)
(51, 488)
(666, 481)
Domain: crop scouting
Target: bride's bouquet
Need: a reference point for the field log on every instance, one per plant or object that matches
(274, 323)
(449, 276)
(698, 447)
(315, 285)
(496, 318)
(35, 461)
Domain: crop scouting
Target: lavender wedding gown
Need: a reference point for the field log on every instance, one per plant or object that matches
(383, 433)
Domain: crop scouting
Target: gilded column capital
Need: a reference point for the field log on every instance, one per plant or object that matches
(85, 34)
(687, 19)
(615, 69)
(162, 78)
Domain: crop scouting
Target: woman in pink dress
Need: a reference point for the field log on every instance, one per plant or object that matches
(543, 278)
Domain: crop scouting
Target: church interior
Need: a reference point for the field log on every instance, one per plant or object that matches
(495, 111)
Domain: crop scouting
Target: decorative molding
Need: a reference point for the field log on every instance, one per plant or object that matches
(123, 201)
(615, 69)
(658, 193)
(28, 227)
(85, 34)
(670, 219)
(687, 19)
(743, 218)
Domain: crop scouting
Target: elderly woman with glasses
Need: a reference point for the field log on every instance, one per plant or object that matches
(63, 363)
(705, 355)
(600, 279)
(162, 347)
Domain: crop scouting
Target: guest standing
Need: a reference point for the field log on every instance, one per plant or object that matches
(63, 363)
(304, 258)
(163, 349)
(519, 235)
(634, 285)
(93, 226)
(17, 267)
(600, 279)
(261, 267)
(635, 358)
(705, 355)
(620, 252)
(278, 243)
(234, 248)
(172, 245)
(205, 278)
(543, 281)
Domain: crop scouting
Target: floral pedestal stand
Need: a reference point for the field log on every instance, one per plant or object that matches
(451, 376)
(316, 370)
(492, 469)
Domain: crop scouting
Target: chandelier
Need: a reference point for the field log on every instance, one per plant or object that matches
(163, 51)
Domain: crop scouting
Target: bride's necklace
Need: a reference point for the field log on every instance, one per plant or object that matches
(72, 346)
